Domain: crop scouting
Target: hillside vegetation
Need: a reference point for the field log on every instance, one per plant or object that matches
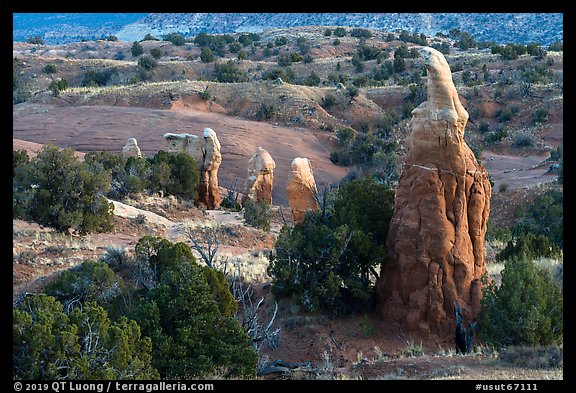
(112, 252)
(63, 28)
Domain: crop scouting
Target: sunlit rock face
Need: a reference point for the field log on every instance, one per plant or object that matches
(301, 189)
(208, 193)
(131, 149)
(260, 179)
(435, 242)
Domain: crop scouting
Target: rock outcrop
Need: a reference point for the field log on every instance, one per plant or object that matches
(177, 143)
(131, 149)
(301, 188)
(206, 153)
(436, 236)
(208, 193)
(258, 186)
(185, 143)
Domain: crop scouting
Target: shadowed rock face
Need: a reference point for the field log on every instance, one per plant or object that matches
(436, 238)
(131, 149)
(260, 179)
(301, 189)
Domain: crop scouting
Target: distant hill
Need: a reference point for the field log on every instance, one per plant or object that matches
(499, 27)
(72, 27)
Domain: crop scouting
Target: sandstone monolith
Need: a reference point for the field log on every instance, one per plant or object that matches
(185, 143)
(435, 242)
(131, 149)
(258, 186)
(208, 192)
(177, 143)
(301, 189)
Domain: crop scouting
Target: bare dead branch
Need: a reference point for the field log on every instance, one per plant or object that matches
(212, 245)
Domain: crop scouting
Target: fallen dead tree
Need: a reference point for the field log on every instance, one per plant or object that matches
(284, 367)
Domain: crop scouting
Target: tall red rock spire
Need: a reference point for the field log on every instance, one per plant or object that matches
(436, 237)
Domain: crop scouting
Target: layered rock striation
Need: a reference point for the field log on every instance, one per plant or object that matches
(436, 236)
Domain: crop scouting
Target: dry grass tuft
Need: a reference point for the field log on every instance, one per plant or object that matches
(547, 357)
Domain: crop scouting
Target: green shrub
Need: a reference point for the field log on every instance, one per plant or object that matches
(50, 68)
(339, 32)
(312, 80)
(228, 73)
(444, 48)
(529, 246)
(484, 127)
(96, 77)
(207, 56)
(57, 86)
(345, 136)
(136, 49)
(399, 65)
(328, 101)
(117, 256)
(189, 316)
(127, 177)
(19, 158)
(174, 174)
(234, 47)
(149, 37)
(540, 116)
(91, 281)
(36, 40)
(49, 343)
(280, 41)
(503, 187)
(57, 190)
(327, 261)
(265, 112)
(524, 141)
(545, 216)
(526, 309)
(258, 214)
(496, 136)
(360, 33)
(176, 39)
(147, 63)
(156, 53)
(284, 60)
(205, 95)
(230, 202)
(352, 91)
(557, 46)
(502, 234)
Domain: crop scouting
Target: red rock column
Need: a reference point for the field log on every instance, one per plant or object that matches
(435, 242)
(208, 192)
(258, 186)
(301, 189)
